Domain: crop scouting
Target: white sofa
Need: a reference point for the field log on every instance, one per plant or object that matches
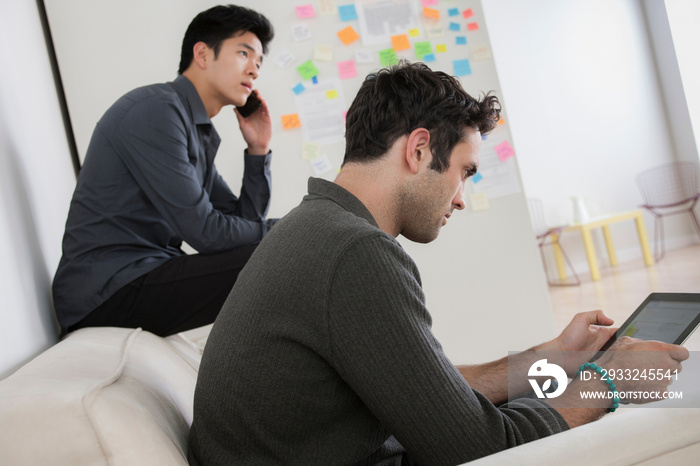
(124, 397)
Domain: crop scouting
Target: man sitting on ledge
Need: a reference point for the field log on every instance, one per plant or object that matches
(323, 352)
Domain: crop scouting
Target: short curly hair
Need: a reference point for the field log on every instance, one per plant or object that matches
(394, 101)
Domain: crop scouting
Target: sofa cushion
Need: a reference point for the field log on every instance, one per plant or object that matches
(103, 396)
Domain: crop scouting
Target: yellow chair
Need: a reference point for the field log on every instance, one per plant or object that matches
(549, 236)
(669, 189)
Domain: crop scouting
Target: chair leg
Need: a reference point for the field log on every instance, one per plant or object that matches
(576, 281)
(695, 221)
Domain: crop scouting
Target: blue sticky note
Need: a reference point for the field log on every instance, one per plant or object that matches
(476, 178)
(454, 26)
(314, 80)
(347, 12)
(462, 67)
(429, 57)
(453, 11)
(484, 137)
(299, 88)
(461, 40)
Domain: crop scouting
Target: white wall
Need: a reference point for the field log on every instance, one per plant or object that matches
(36, 182)
(585, 107)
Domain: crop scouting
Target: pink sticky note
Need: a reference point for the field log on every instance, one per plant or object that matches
(345, 114)
(468, 13)
(472, 26)
(346, 69)
(306, 11)
(504, 151)
(429, 2)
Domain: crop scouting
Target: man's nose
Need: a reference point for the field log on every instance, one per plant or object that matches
(459, 201)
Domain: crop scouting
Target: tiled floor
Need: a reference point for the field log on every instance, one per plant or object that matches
(622, 288)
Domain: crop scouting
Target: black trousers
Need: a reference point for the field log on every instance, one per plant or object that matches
(184, 293)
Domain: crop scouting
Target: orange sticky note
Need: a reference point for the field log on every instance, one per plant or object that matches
(472, 26)
(468, 13)
(348, 35)
(400, 42)
(431, 13)
(501, 121)
(291, 121)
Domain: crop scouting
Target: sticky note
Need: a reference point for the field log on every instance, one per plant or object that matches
(307, 70)
(348, 35)
(479, 202)
(347, 12)
(314, 80)
(400, 42)
(435, 29)
(454, 26)
(440, 48)
(299, 88)
(501, 121)
(347, 69)
(345, 114)
(291, 121)
(468, 13)
(332, 94)
(387, 57)
(321, 165)
(453, 11)
(306, 11)
(462, 67)
(481, 52)
(284, 58)
(431, 13)
(310, 150)
(415, 32)
(323, 52)
(326, 7)
(504, 151)
(428, 57)
(429, 2)
(472, 26)
(476, 178)
(301, 32)
(423, 48)
(461, 40)
(364, 56)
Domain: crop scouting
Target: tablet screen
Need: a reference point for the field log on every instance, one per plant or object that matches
(667, 317)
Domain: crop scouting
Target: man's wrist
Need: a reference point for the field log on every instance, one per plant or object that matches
(258, 150)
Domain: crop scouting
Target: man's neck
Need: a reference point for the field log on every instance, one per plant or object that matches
(211, 104)
(368, 183)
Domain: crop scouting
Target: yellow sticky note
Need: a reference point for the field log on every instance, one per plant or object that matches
(400, 42)
(431, 13)
(310, 150)
(348, 35)
(332, 94)
(441, 48)
(479, 202)
(291, 121)
(415, 32)
(323, 52)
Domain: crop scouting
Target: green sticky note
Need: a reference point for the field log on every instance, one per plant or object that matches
(307, 70)
(423, 48)
(387, 57)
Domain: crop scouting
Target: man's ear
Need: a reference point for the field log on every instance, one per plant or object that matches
(200, 54)
(418, 149)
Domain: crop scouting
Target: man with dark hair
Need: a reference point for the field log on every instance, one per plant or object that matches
(323, 352)
(149, 183)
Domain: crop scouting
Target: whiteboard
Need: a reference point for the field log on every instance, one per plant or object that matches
(106, 48)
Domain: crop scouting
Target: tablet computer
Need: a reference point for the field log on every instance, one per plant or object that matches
(667, 317)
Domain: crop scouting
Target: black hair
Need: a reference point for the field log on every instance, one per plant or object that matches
(219, 23)
(394, 101)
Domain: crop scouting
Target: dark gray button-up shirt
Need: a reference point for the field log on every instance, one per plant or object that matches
(148, 183)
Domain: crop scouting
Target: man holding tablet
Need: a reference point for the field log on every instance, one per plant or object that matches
(323, 352)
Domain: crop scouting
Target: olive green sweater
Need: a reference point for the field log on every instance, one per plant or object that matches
(323, 354)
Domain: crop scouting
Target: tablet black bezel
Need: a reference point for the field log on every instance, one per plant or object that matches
(670, 297)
